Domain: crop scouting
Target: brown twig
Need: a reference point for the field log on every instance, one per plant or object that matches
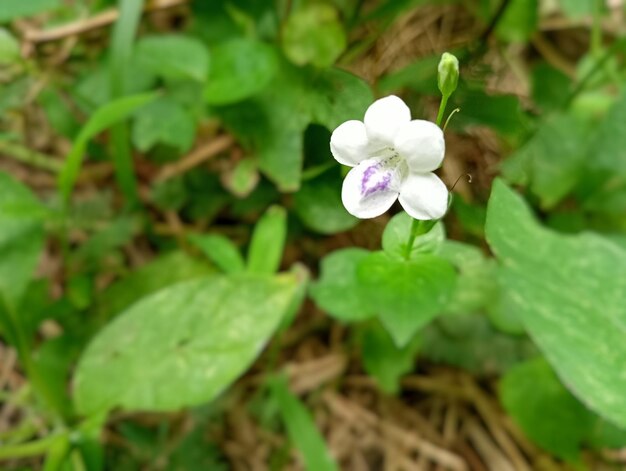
(196, 157)
(97, 21)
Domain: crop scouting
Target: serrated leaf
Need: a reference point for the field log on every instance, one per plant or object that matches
(570, 293)
(202, 335)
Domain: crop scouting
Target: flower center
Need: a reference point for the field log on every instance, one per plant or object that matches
(384, 173)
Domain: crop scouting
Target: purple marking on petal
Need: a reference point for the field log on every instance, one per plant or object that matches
(370, 184)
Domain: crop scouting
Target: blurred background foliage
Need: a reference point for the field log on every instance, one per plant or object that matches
(162, 161)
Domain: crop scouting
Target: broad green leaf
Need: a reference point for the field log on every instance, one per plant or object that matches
(181, 346)
(163, 122)
(318, 204)
(9, 48)
(301, 429)
(12, 9)
(268, 242)
(500, 112)
(476, 287)
(21, 237)
(550, 86)
(608, 146)
(220, 250)
(570, 294)
(519, 20)
(546, 411)
(103, 118)
(273, 123)
(173, 56)
(396, 237)
(406, 295)
(470, 341)
(551, 163)
(338, 291)
(159, 273)
(314, 35)
(419, 76)
(383, 360)
(240, 69)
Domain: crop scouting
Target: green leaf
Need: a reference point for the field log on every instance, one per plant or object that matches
(240, 69)
(159, 273)
(273, 123)
(202, 335)
(338, 291)
(551, 163)
(470, 341)
(519, 20)
(384, 360)
(220, 250)
(12, 9)
(268, 241)
(21, 237)
(570, 293)
(314, 35)
(396, 237)
(406, 295)
(103, 118)
(577, 8)
(9, 48)
(549, 415)
(173, 56)
(163, 122)
(243, 178)
(301, 429)
(318, 204)
(609, 141)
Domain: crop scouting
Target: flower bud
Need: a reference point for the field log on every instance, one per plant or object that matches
(448, 76)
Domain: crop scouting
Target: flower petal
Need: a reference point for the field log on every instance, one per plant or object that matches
(370, 189)
(424, 196)
(421, 144)
(384, 118)
(349, 143)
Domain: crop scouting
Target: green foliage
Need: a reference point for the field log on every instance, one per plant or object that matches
(318, 205)
(241, 68)
(273, 123)
(12, 9)
(385, 361)
(406, 294)
(268, 241)
(163, 121)
(103, 118)
(314, 35)
(173, 57)
(301, 428)
(519, 21)
(221, 251)
(568, 292)
(338, 291)
(203, 334)
(21, 238)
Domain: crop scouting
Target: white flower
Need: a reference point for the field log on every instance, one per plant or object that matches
(392, 157)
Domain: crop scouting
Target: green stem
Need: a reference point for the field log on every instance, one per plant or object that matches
(442, 109)
(596, 29)
(34, 448)
(415, 228)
